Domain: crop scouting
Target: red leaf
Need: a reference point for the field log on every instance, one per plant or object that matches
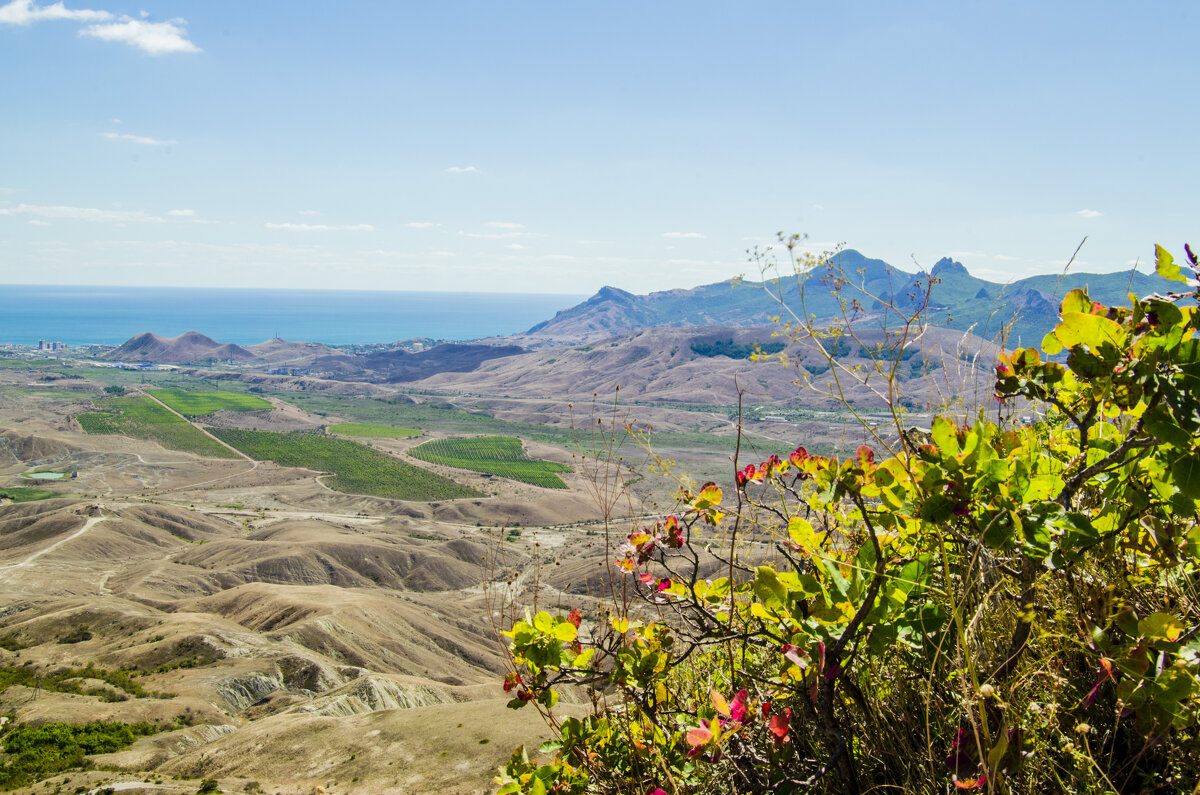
(779, 724)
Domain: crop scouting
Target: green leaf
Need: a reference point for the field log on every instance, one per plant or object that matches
(768, 588)
(1164, 265)
(1186, 471)
(1051, 344)
(1160, 626)
(543, 622)
(1084, 328)
(1163, 427)
(565, 632)
(945, 436)
(938, 508)
(1076, 301)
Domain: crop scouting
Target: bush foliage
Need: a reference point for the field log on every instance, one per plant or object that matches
(987, 605)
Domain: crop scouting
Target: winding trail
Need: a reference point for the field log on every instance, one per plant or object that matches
(12, 567)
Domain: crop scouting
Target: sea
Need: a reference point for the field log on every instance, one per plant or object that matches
(111, 315)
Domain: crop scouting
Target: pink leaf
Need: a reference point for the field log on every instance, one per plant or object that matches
(738, 709)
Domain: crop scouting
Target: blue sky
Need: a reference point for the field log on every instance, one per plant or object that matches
(558, 147)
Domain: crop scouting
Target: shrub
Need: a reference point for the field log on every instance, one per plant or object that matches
(996, 606)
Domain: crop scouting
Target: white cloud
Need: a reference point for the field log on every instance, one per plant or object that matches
(818, 206)
(24, 12)
(321, 227)
(462, 170)
(420, 225)
(1005, 257)
(141, 140)
(500, 235)
(965, 254)
(503, 225)
(82, 214)
(153, 38)
(37, 222)
(682, 235)
(309, 212)
(1088, 213)
(515, 246)
(181, 213)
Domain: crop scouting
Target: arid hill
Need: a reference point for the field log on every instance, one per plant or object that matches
(669, 364)
(187, 348)
(270, 637)
(280, 352)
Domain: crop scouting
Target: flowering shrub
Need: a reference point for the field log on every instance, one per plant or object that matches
(992, 606)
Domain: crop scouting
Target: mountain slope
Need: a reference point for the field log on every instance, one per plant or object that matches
(184, 349)
(957, 300)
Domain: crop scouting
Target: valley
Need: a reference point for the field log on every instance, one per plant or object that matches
(303, 571)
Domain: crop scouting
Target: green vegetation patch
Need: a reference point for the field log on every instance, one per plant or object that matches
(356, 469)
(374, 431)
(199, 404)
(142, 418)
(735, 350)
(38, 752)
(67, 680)
(494, 455)
(25, 494)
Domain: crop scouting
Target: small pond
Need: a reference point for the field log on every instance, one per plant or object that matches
(46, 475)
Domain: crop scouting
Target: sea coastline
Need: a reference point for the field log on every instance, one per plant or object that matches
(109, 315)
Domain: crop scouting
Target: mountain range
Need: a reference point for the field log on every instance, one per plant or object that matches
(1024, 309)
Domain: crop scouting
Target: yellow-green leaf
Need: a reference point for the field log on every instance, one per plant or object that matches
(1164, 265)
(1160, 626)
(1076, 301)
(801, 531)
(1084, 328)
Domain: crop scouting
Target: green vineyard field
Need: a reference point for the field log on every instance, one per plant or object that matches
(355, 468)
(495, 455)
(198, 404)
(370, 431)
(142, 418)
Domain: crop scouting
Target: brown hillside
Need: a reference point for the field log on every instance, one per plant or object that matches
(184, 349)
(659, 364)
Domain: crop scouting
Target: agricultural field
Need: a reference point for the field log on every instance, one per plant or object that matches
(495, 455)
(25, 494)
(355, 468)
(142, 418)
(199, 404)
(370, 431)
